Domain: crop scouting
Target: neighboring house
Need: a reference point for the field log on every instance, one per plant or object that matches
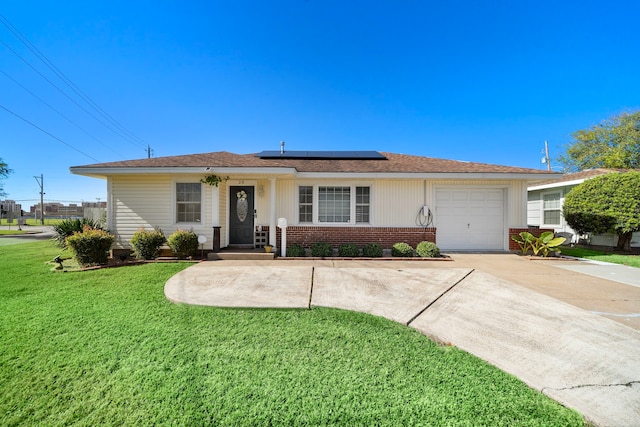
(336, 197)
(545, 201)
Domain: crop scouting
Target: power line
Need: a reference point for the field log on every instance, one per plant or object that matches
(43, 58)
(61, 115)
(62, 92)
(44, 131)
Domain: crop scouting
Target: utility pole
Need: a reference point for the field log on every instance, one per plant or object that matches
(546, 156)
(40, 181)
(148, 151)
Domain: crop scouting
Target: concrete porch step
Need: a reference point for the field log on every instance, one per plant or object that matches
(240, 254)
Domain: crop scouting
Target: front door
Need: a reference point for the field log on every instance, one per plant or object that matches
(241, 206)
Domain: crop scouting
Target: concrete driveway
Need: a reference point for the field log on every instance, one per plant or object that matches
(529, 318)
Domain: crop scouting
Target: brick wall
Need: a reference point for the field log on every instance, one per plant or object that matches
(384, 236)
(536, 231)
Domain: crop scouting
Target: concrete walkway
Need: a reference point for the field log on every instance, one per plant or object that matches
(538, 332)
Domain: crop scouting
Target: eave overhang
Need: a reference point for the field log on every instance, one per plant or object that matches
(556, 184)
(280, 171)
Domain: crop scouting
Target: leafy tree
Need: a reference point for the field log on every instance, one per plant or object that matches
(4, 172)
(615, 143)
(606, 204)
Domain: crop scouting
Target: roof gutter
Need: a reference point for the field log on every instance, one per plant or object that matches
(104, 172)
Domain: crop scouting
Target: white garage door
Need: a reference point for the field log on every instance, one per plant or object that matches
(470, 219)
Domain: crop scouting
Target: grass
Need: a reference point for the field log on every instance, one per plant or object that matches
(106, 347)
(32, 221)
(597, 255)
(12, 232)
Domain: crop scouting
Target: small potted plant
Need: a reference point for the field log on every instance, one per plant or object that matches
(268, 249)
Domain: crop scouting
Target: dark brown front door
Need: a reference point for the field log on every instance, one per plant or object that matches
(241, 206)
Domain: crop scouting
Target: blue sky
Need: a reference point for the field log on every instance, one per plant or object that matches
(464, 80)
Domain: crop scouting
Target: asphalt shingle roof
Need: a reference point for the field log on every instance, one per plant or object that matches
(395, 163)
(581, 176)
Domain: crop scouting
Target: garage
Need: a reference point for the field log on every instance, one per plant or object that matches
(470, 218)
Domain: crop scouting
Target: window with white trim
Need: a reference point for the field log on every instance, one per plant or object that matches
(188, 202)
(305, 204)
(334, 204)
(362, 204)
(551, 211)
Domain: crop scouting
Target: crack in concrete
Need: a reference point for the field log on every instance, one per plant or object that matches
(313, 275)
(629, 384)
(439, 296)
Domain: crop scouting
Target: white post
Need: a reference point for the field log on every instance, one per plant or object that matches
(215, 206)
(272, 212)
(282, 224)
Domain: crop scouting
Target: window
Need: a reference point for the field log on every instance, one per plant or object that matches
(334, 204)
(551, 209)
(305, 204)
(188, 202)
(362, 204)
(344, 204)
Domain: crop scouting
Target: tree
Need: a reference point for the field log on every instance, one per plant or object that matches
(4, 172)
(606, 204)
(615, 143)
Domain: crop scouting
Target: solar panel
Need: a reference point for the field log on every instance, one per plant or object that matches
(322, 155)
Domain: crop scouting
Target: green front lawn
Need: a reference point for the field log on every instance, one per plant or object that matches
(12, 232)
(106, 347)
(624, 259)
(32, 221)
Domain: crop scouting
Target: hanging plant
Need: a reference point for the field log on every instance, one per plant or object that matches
(213, 180)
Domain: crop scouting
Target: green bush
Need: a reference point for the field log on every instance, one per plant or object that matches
(67, 227)
(428, 250)
(146, 243)
(183, 243)
(348, 250)
(295, 250)
(321, 249)
(91, 246)
(402, 250)
(372, 250)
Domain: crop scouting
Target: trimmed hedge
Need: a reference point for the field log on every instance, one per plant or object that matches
(296, 250)
(372, 250)
(321, 249)
(183, 243)
(91, 246)
(428, 250)
(146, 243)
(348, 250)
(402, 250)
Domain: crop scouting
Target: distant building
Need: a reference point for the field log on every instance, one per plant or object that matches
(60, 210)
(10, 206)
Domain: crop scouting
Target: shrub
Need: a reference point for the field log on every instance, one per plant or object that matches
(372, 250)
(183, 243)
(146, 243)
(295, 250)
(402, 249)
(91, 246)
(348, 250)
(321, 249)
(428, 250)
(67, 227)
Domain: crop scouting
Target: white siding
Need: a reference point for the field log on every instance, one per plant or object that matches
(397, 202)
(148, 201)
(534, 209)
